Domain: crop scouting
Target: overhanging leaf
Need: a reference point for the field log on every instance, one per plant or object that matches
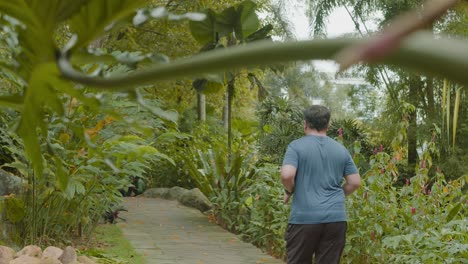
(226, 21)
(248, 21)
(37, 96)
(260, 34)
(12, 101)
(96, 15)
(68, 8)
(204, 31)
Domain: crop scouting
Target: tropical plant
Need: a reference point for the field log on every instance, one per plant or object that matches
(281, 121)
(234, 25)
(40, 88)
(268, 215)
(396, 220)
(206, 161)
(75, 179)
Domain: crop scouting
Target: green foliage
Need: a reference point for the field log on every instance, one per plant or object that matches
(240, 19)
(9, 146)
(218, 175)
(169, 174)
(77, 163)
(83, 149)
(268, 216)
(421, 222)
(15, 209)
(355, 138)
(281, 121)
(99, 14)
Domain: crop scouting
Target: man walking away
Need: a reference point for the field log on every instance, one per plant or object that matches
(313, 170)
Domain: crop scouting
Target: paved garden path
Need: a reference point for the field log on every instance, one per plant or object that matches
(166, 232)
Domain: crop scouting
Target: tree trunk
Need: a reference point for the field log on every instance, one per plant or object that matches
(430, 99)
(412, 128)
(201, 106)
(225, 112)
(230, 97)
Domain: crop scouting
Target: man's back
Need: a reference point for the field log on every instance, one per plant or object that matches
(321, 163)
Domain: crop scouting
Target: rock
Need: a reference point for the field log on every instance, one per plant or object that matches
(31, 250)
(196, 199)
(68, 256)
(176, 193)
(6, 254)
(156, 193)
(25, 259)
(52, 252)
(85, 260)
(50, 260)
(9, 183)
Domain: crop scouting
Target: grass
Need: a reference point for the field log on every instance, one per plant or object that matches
(112, 247)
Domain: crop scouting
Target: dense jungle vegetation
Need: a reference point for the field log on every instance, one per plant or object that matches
(79, 124)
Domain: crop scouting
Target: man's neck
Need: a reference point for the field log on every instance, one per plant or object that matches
(314, 132)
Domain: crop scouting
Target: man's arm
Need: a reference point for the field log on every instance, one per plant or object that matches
(353, 181)
(288, 173)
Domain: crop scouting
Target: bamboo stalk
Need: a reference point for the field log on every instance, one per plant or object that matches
(444, 106)
(456, 109)
(448, 116)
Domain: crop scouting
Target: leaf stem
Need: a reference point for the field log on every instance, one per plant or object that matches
(420, 52)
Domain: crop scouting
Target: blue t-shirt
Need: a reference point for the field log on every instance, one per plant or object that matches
(321, 164)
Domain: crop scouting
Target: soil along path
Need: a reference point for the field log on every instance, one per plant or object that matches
(166, 232)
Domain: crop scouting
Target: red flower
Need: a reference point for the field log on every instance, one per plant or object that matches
(408, 181)
(413, 210)
(340, 132)
(428, 192)
(381, 148)
(375, 151)
(382, 171)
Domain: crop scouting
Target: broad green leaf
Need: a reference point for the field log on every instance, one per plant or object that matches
(165, 157)
(40, 98)
(12, 101)
(97, 15)
(248, 21)
(204, 31)
(61, 174)
(454, 212)
(74, 187)
(68, 8)
(260, 34)
(15, 209)
(52, 12)
(19, 10)
(167, 115)
(227, 21)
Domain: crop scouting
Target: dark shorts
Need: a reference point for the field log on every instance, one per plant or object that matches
(325, 241)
